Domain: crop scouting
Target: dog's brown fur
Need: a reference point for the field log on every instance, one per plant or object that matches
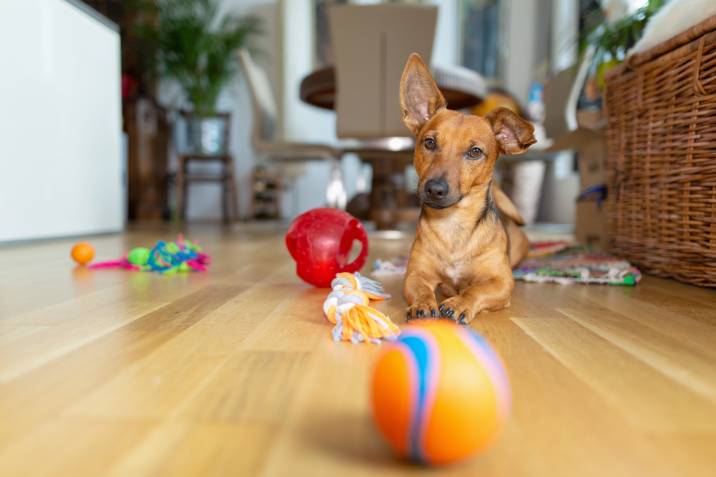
(468, 236)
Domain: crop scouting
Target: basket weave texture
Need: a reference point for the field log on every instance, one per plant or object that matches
(661, 110)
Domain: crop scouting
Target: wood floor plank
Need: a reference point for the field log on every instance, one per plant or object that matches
(94, 447)
(692, 453)
(625, 382)
(73, 324)
(273, 378)
(669, 298)
(689, 367)
(691, 332)
(703, 296)
(99, 362)
(554, 408)
(63, 327)
(198, 449)
(234, 372)
(161, 383)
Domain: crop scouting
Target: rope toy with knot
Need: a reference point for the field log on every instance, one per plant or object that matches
(348, 307)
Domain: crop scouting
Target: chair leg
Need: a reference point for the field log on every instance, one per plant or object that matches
(233, 197)
(383, 195)
(181, 189)
(233, 201)
(336, 190)
(225, 197)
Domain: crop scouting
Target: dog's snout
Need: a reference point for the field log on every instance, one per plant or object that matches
(436, 189)
(436, 193)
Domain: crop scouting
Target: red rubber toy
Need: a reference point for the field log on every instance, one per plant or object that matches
(320, 241)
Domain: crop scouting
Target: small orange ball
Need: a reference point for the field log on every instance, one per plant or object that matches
(440, 393)
(82, 253)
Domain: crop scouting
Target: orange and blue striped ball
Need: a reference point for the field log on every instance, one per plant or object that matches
(440, 393)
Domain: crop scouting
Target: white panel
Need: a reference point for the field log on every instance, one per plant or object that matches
(447, 35)
(565, 26)
(301, 122)
(60, 122)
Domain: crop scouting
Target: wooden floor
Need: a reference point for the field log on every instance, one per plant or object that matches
(234, 373)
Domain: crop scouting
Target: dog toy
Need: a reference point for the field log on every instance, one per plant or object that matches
(390, 266)
(320, 242)
(82, 253)
(440, 393)
(165, 257)
(348, 308)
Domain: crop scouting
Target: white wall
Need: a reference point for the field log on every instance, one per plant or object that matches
(446, 48)
(302, 122)
(519, 59)
(60, 122)
(565, 34)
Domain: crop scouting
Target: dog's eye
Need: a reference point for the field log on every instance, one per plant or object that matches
(429, 143)
(475, 152)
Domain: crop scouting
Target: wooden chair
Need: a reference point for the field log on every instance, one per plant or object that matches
(270, 147)
(226, 177)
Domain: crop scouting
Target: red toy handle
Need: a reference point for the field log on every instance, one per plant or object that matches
(357, 232)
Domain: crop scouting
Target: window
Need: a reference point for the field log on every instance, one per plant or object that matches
(481, 36)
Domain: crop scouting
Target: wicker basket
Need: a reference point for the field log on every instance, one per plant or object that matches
(661, 108)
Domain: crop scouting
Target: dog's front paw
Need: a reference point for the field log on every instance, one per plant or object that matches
(457, 309)
(422, 309)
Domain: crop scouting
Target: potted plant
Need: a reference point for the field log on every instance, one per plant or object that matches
(611, 41)
(192, 44)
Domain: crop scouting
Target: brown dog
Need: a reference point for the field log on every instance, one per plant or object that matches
(468, 236)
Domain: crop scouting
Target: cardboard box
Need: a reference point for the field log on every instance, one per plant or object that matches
(591, 223)
(592, 161)
(581, 131)
(591, 149)
(584, 132)
(593, 119)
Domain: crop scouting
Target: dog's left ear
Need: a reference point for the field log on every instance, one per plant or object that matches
(420, 97)
(514, 134)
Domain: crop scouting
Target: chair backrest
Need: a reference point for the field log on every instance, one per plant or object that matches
(371, 44)
(262, 99)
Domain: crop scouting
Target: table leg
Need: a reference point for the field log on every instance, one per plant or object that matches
(390, 202)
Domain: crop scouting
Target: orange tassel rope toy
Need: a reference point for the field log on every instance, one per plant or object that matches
(348, 307)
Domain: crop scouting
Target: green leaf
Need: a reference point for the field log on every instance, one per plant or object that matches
(611, 41)
(190, 43)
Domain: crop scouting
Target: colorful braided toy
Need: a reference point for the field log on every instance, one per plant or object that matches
(348, 307)
(166, 257)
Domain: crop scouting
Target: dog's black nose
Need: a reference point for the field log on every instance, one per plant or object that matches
(436, 189)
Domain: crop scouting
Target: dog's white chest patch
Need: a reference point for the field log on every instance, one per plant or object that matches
(455, 271)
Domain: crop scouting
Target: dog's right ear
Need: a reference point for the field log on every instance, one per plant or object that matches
(420, 97)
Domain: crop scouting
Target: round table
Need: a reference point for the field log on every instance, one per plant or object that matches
(461, 87)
